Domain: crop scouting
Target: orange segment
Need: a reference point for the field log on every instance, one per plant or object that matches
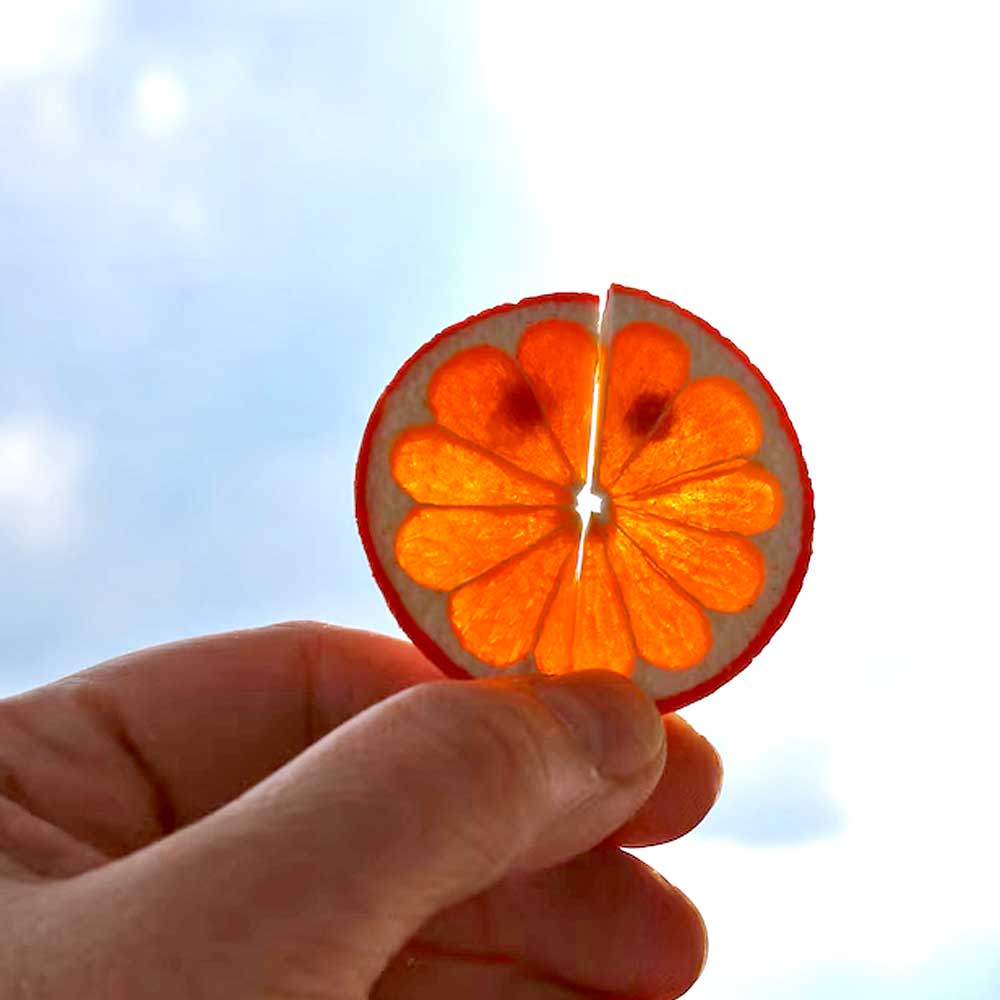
(554, 652)
(745, 501)
(723, 572)
(434, 466)
(712, 419)
(559, 359)
(602, 639)
(647, 366)
(496, 615)
(670, 630)
(585, 627)
(481, 395)
(443, 547)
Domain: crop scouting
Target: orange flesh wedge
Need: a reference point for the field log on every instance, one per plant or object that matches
(511, 527)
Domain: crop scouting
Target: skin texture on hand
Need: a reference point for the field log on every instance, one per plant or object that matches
(304, 812)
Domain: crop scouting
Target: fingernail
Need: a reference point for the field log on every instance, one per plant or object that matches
(615, 724)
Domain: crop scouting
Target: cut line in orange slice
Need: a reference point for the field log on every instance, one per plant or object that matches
(545, 488)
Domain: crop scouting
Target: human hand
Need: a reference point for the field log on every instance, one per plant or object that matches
(292, 813)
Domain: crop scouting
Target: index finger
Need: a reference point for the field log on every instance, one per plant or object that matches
(140, 745)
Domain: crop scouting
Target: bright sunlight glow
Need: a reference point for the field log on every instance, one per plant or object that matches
(590, 501)
(161, 101)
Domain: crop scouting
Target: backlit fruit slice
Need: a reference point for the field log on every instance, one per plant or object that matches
(513, 529)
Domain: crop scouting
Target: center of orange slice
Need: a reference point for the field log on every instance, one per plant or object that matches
(590, 502)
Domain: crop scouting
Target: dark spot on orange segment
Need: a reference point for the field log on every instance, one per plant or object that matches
(647, 366)
(665, 427)
(521, 407)
(481, 395)
(644, 412)
(710, 420)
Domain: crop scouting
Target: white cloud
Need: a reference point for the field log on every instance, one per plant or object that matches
(44, 36)
(186, 213)
(40, 469)
(873, 897)
(57, 124)
(161, 100)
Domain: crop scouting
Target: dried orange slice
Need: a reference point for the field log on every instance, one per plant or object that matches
(541, 488)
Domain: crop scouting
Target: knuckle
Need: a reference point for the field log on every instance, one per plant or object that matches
(308, 634)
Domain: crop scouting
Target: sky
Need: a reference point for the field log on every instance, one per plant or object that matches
(224, 226)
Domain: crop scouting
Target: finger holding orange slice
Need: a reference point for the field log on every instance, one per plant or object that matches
(544, 488)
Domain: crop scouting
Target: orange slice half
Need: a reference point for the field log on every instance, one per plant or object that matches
(542, 488)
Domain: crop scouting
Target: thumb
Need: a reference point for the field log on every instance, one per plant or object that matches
(427, 798)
